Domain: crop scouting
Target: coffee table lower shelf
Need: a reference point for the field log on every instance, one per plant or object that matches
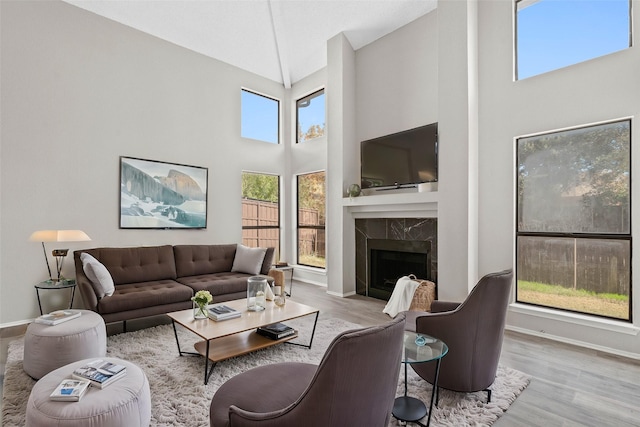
(236, 345)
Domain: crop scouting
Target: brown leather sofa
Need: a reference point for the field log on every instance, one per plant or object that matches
(152, 280)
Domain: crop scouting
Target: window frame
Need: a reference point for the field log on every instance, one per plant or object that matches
(309, 227)
(628, 236)
(279, 110)
(310, 97)
(266, 227)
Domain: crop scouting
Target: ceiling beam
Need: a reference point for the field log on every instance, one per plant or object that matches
(278, 26)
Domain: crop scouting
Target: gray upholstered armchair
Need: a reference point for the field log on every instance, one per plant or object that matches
(354, 385)
(473, 332)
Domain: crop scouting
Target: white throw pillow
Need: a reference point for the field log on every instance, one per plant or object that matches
(98, 274)
(248, 260)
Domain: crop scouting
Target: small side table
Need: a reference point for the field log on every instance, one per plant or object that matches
(50, 284)
(288, 268)
(426, 349)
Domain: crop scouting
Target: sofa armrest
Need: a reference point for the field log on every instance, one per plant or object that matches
(278, 276)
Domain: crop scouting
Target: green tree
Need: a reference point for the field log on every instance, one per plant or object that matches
(314, 131)
(258, 186)
(311, 193)
(590, 163)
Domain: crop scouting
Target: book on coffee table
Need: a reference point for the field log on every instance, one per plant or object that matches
(222, 312)
(276, 331)
(70, 390)
(100, 373)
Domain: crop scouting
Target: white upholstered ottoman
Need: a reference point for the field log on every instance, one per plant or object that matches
(49, 347)
(125, 402)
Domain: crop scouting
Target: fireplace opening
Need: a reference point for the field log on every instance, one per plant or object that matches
(389, 260)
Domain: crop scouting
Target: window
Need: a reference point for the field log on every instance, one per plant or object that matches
(573, 237)
(259, 117)
(552, 34)
(311, 219)
(261, 211)
(310, 116)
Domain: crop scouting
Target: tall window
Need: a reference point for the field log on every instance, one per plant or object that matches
(573, 232)
(259, 117)
(311, 220)
(310, 116)
(261, 211)
(552, 34)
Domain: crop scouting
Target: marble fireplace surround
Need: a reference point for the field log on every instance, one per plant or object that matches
(398, 229)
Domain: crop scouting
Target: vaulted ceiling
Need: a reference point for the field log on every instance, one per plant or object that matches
(282, 40)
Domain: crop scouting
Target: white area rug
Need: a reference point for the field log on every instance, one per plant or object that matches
(180, 398)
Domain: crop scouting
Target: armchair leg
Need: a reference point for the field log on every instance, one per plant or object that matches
(488, 394)
(124, 326)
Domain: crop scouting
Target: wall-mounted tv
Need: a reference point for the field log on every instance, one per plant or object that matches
(400, 160)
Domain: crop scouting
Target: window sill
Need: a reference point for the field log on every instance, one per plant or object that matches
(611, 325)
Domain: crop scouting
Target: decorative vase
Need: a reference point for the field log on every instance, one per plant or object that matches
(256, 298)
(199, 311)
(279, 296)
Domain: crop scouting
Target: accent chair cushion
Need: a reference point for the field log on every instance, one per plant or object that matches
(98, 274)
(248, 260)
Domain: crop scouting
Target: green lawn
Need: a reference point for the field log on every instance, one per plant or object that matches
(610, 305)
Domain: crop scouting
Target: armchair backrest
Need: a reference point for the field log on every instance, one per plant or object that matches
(355, 383)
(473, 332)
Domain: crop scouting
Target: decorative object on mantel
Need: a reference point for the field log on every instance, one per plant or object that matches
(59, 254)
(353, 190)
(200, 301)
(427, 187)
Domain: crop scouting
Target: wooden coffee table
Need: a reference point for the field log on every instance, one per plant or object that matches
(234, 337)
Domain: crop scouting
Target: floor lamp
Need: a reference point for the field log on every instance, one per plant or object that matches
(58, 254)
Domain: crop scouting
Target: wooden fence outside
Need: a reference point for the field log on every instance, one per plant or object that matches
(260, 213)
(601, 266)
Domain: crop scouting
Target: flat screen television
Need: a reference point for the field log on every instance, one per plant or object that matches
(400, 160)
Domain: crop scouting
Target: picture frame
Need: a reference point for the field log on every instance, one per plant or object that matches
(162, 195)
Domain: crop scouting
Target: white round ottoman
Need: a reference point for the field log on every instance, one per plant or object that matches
(49, 347)
(125, 402)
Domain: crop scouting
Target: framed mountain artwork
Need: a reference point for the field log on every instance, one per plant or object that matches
(162, 195)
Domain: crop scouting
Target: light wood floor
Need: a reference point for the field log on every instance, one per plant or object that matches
(570, 386)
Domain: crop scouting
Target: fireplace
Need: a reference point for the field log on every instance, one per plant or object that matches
(388, 260)
(400, 237)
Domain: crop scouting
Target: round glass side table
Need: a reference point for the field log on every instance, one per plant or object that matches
(418, 348)
(62, 284)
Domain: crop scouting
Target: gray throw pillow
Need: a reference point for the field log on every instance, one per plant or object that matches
(98, 274)
(248, 260)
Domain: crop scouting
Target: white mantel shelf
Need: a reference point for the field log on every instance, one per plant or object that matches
(424, 204)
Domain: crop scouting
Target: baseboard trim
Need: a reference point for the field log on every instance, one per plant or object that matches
(577, 343)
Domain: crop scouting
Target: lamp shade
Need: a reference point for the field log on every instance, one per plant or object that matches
(59, 236)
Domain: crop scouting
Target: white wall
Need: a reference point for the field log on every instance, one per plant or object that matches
(397, 80)
(78, 91)
(597, 90)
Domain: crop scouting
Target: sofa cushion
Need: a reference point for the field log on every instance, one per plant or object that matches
(248, 260)
(219, 283)
(98, 274)
(137, 264)
(136, 296)
(193, 260)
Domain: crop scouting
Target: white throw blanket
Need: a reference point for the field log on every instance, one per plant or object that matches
(402, 296)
